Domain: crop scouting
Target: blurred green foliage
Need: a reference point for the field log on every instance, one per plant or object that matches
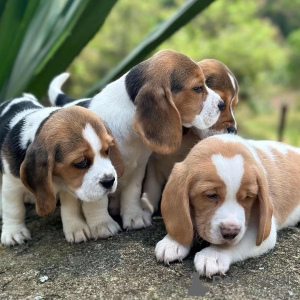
(258, 40)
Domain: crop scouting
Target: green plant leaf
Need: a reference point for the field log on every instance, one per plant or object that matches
(16, 17)
(70, 43)
(187, 12)
(47, 31)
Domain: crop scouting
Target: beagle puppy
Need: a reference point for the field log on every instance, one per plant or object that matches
(145, 109)
(233, 193)
(220, 79)
(50, 152)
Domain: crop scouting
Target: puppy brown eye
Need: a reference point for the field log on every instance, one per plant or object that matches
(212, 196)
(84, 164)
(107, 151)
(198, 89)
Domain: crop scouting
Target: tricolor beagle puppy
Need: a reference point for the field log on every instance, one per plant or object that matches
(221, 80)
(233, 193)
(145, 109)
(56, 151)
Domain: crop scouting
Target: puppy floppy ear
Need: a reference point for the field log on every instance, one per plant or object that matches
(265, 209)
(175, 206)
(115, 155)
(157, 119)
(36, 174)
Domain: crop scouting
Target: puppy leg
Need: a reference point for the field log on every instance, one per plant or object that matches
(217, 259)
(14, 230)
(133, 216)
(101, 224)
(168, 250)
(75, 228)
(153, 185)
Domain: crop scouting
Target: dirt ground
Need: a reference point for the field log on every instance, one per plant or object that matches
(124, 267)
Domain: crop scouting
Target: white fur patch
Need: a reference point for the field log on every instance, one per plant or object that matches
(210, 112)
(232, 114)
(20, 116)
(76, 102)
(19, 100)
(91, 136)
(265, 147)
(232, 138)
(32, 123)
(55, 87)
(232, 81)
(231, 171)
(91, 188)
(168, 250)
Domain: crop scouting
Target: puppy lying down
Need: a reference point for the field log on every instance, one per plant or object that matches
(233, 193)
(56, 151)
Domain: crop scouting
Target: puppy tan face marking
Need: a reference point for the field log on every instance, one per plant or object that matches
(100, 176)
(228, 222)
(230, 180)
(169, 91)
(76, 150)
(221, 182)
(220, 79)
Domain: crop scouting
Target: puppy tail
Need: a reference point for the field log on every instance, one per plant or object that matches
(56, 96)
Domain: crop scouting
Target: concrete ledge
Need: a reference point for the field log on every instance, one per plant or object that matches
(124, 267)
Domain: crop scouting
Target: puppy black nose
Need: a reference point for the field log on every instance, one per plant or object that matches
(107, 182)
(230, 232)
(232, 130)
(221, 106)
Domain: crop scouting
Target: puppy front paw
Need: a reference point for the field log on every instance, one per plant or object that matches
(76, 231)
(168, 250)
(210, 261)
(14, 236)
(104, 229)
(136, 219)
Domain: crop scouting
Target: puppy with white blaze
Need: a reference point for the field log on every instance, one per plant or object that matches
(145, 109)
(222, 81)
(50, 152)
(235, 194)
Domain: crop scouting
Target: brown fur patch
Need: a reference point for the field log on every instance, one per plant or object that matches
(217, 79)
(160, 113)
(283, 176)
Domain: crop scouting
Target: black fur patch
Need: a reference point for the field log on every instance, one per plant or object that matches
(135, 79)
(176, 84)
(3, 105)
(85, 103)
(9, 115)
(63, 99)
(12, 149)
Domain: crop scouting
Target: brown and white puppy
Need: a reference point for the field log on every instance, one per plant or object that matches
(221, 80)
(145, 109)
(56, 151)
(233, 193)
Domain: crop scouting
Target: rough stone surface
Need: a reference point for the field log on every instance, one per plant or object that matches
(124, 267)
